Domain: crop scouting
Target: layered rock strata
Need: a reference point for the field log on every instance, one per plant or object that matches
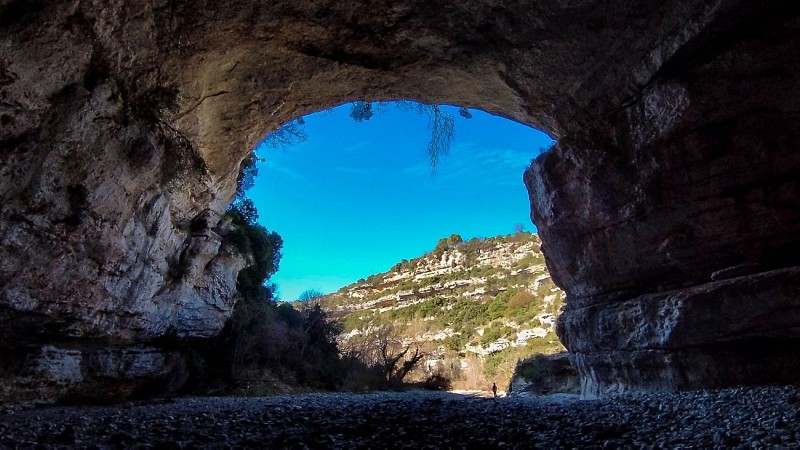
(123, 124)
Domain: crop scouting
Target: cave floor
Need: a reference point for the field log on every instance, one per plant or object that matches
(745, 418)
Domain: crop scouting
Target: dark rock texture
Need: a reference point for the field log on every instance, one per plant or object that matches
(544, 375)
(123, 124)
(674, 224)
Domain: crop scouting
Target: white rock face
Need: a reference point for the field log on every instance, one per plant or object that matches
(108, 227)
(452, 261)
(101, 373)
(525, 335)
(132, 274)
(59, 365)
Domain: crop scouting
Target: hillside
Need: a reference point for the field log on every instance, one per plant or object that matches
(474, 308)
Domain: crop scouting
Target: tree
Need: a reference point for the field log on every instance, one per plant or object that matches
(309, 295)
(519, 302)
(395, 373)
(245, 209)
(519, 228)
(360, 111)
(396, 363)
(261, 247)
(442, 125)
(248, 171)
(454, 240)
(385, 350)
(440, 122)
(446, 243)
(289, 134)
(497, 307)
(297, 346)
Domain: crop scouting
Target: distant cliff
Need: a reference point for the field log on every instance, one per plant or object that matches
(475, 307)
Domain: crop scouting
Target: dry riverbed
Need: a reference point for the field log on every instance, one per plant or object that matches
(744, 418)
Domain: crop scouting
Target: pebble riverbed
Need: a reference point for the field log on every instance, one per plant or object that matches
(732, 418)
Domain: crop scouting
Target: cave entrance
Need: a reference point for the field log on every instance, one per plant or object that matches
(124, 127)
(354, 190)
(441, 252)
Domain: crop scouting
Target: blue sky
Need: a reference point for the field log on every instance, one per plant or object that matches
(357, 197)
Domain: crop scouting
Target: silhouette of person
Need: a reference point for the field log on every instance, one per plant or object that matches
(494, 390)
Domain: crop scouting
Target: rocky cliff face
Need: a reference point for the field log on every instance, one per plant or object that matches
(110, 232)
(467, 268)
(673, 187)
(681, 263)
(474, 308)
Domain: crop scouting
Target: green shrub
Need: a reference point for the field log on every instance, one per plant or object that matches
(465, 314)
(529, 260)
(297, 347)
(534, 370)
(495, 332)
(497, 307)
(430, 308)
(260, 246)
(454, 342)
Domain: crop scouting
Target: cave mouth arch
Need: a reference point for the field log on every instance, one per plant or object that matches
(677, 154)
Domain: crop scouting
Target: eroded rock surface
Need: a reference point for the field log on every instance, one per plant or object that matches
(123, 124)
(674, 226)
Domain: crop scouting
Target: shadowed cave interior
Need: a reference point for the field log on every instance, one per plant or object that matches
(669, 210)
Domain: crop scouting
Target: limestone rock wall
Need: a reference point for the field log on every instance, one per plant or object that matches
(107, 231)
(100, 203)
(123, 124)
(681, 263)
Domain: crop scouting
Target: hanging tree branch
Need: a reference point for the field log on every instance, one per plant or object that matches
(442, 125)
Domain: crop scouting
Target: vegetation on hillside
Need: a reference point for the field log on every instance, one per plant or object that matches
(462, 327)
(476, 307)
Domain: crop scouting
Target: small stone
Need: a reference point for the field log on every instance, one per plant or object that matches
(67, 436)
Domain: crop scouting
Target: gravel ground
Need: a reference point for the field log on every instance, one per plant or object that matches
(735, 418)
